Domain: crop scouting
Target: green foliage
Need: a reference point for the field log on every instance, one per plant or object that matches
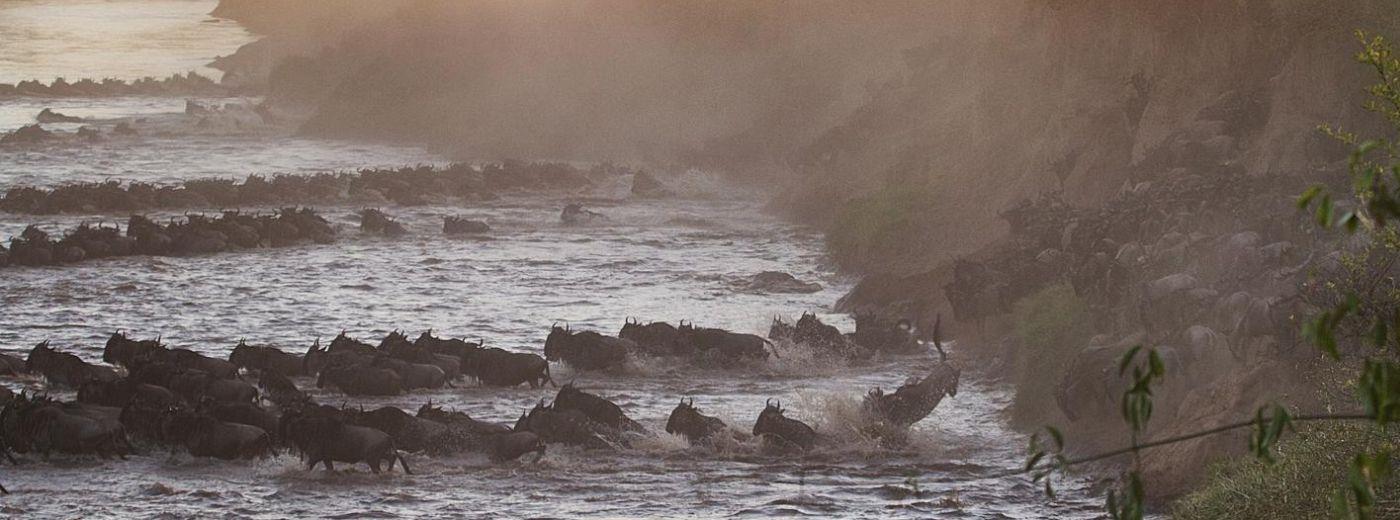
(879, 224)
(1302, 484)
(1052, 326)
(1374, 168)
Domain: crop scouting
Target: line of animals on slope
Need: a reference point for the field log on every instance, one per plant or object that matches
(183, 399)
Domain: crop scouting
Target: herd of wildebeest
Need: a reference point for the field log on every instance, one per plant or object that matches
(248, 406)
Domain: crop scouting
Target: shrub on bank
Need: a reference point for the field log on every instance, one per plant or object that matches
(1051, 327)
(875, 226)
(1301, 484)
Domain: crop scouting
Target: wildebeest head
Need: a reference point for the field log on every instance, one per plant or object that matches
(630, 326)
(687, 420)
(395, 342)
(770, 418)
(523, 423)
(557, 342)
(38, 357)
(771, 422)
(244, 355)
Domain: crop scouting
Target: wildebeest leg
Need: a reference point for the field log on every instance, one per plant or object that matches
(313, 464)
(4, 491)
(329, 466)
(374, 465)
(402, 462)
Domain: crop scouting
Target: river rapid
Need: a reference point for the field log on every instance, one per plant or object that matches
(667, 259)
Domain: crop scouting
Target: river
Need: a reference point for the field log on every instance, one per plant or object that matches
(667, 259)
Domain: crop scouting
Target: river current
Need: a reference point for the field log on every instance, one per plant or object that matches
(666, 259)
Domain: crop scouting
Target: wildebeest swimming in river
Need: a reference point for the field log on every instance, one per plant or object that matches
(686, 420)
(498, 367)
(206, 436)
(574, 213)
(396, 345)
(722, 346)
(265, 359)
(586, 350)
(772, 425)
(127, 352)
(914, 400)
(821, 338)
(656, 338)
(44, 425)
(570, 427)
(64, 369)
(122, 391)
(597, 409)
(323, 438)
(362, 380)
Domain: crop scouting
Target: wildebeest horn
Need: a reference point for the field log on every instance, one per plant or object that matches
(768, 403)
(692, 403)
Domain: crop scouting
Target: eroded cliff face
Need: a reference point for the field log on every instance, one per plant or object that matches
(1021, 98)
(1147, 156)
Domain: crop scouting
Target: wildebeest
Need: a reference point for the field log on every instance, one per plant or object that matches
(319, 358)
(64, 369)
(878, 333)
(721, 345)
(196, 385)
(597, 409)
(562, 426)
(121, 391)
(455, 418)
(656, 338)
(189, 359)
(811, 332)
(513, 445)
(327, 439)
(362, 380)
(265, 359)
(12, 365)
(586, 350)
(345, 343)
(686, 420)
(241, 413)
(44, 425)
(397, 346)
(280, 390)
(458, 348)
(498, 367)
(915, 400)
(206, 436)
(127, 352)
(409, 432)
(413, 375)
(772, 424)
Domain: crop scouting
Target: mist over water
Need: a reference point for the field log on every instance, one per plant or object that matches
(124, 39)
(657, 260)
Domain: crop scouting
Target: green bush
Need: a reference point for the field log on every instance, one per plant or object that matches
(1309, 470)
(877, 226)
(1052, 326)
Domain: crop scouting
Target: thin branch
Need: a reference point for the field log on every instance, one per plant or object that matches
(1181, 438)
